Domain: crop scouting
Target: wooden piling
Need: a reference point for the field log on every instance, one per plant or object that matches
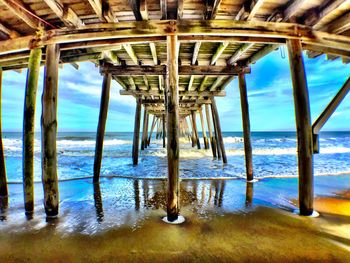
(205, 139)
(49, 131)
(246, 126)
(212, 138)
(172, 111)
(193, 134)
(303, 125)
(218, 148)
(3, 177)
(195, 131)
(28, 128)
(144, 129)
(135, 145)
(218, 127)
(106, 85)
(163, 132)
(152, 128)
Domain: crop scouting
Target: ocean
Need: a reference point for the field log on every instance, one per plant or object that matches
(274, 155)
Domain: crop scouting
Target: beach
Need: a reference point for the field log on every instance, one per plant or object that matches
(119, 220)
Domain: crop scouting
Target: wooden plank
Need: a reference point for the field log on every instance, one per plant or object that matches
(303, 125)
(261, 53)
(102, 119)
(212, 138)
(181, 93)
(215, 8)
(134, 70)
(292, 9)
(135, 145)
(202, 86)
(221, 48)
(3, 177)
(103, 10)
(28, 128)
(195, 53)
(255, 9)
(216, 83)
(327, 50)
(111, 57)
(9, 31)
(17, 8)
(49, 131)
(143, 9)
(239, 53)
(331, 107)
(339, 25)
(246, 127)
(218, 127)
(163, 9)
(66, 14)
(172, 111)
(128, 48)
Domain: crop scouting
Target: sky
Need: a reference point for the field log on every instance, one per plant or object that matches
(269, 87)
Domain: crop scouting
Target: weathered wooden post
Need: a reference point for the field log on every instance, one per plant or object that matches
(195, 131)
(146, 132)
(164, 133)
(49, 131)
(193, 135)
(249, 194)
(135, 145)
(303, 125)
(218, 148)
(106, 86)
(218, 128)
(205, 139)
(28, 128)
(3, 177)
(98, 202)
(212, 138)
(246, 127)
(144, 129)
(172, 111)
(152, 128)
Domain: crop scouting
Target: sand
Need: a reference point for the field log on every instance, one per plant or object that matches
(226, 221)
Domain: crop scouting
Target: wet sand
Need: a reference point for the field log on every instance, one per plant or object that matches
(226, 221)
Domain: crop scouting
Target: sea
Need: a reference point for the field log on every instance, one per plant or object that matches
(274, 155)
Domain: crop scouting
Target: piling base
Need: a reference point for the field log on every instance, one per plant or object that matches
(314, 213)
(179, 220)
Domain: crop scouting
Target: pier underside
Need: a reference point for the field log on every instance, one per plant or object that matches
(174, 57)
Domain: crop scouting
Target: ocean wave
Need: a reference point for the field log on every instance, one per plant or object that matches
(233, 139)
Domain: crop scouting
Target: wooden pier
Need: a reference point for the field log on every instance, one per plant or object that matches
(174, 57)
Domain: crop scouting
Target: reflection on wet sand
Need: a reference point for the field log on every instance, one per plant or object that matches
(249, 194)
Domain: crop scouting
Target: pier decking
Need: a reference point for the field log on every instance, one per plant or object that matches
(174, 57)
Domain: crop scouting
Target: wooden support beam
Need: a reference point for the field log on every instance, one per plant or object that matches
(135, 7)
(66, 14)
(163, 129)
(318, 50)
(28, 128)
(327, 113)
(303, 125)
(204, 132)
(181, 93)
(291, 10)
(132, 84)
(9, 31)
(111, 57)
(202, 86)
(218, 148)
(216, 83)
(144, 129)
(261, 53)
(152, 46)
(172, 111)
(195, 130)
(190, 83)
(212, 138)
(102, 119)
(143, 9)
(239, 53)
(221, 48)
(49, 131)
(215, 8)
(163, 9)
(246, 127)
(3, 177)
(339, 25)
(18, 9)
(103, 10)
(128, 48)
(218, 127)
(195, 53)
(255, 8)
(135, 145)
(152, 128)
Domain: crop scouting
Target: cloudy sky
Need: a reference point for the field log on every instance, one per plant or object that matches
(269, 94)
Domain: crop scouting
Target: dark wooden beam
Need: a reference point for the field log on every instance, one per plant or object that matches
(135, 7)
(246, 127)
(102, 119)
(135, 145)
(212, 138)
(303, 125)
(181, 93)
(3, 177)
(49, 131)
(66, 14)
(29, 128)
(218, 128)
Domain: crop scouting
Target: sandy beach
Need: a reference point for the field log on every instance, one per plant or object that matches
(226, 221)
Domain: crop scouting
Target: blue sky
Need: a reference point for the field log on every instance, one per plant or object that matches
(269, 94)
